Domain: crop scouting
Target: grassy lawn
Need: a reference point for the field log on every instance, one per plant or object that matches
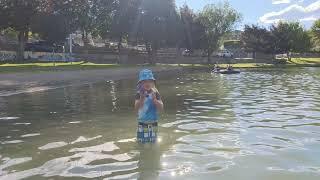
(248, 65)
(239, 65)
(295, 62)
(35, 67)
(60, 66)
(64, 66)
(307, 61)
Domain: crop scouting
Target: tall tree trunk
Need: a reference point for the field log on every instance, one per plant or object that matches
(85, 38)
(273, 57)
(119, 48)
(289, 56)
(208, 55)
(188, 29)
(26, 35)
(189, 37)
(119, 43)
(148, 48)
(21, 46)
(154, 48)
(178, 53)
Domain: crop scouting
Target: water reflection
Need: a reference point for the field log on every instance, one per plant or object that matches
(149, 161)
(214, 126)
(80, 164)
(113, 95)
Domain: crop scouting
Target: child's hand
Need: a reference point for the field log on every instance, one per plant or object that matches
(154, 98)
(142, 96)
(158, 103)
(139, 103)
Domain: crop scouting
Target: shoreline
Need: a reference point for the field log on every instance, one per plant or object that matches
(36, 77)
(37, 67)
(30, 82)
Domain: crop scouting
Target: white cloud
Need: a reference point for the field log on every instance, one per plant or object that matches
(294, 12)
(286, 1)
(281, 1)
(312, 18)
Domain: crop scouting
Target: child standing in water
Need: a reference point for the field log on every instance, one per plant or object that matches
(148, 103)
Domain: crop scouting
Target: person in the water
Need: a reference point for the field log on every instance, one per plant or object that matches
(148, 103)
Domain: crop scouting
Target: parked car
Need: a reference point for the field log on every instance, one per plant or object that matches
(186, 52)
(225, 54)
(281, 56)
(43, 46)
(141, 47)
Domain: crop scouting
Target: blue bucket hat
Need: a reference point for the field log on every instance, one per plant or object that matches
(146, 74)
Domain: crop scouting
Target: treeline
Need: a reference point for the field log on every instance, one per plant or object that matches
(156, 23)
(282, 38)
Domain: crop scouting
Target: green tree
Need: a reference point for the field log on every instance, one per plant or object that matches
(83, 15)
(104, 12)
(198, 35)
(78, 15)
(193, 30)
(89, 16)
(315, 33)
(187, 18)
(217, 19)
(257, 39)
(18, 15)
(124, 19)
(50, 27)
(290, 37)
(9, 32)
(158, 22)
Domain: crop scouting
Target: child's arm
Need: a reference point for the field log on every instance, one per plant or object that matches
(139, 102)
(157, 101)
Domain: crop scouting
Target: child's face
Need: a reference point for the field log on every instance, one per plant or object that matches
(148, 85)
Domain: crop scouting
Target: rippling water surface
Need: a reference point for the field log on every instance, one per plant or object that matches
(256, 125)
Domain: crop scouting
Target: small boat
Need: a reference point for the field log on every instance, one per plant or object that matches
(226, 71)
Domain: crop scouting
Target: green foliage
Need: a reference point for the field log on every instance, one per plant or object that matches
(89, 16)
(316, 29)
(283, 38)
(290, 37)
(258, 39)
(50, 27)
(103, 10)
(18, 15)
(125, 15)
(9, 32)
(193, 30)
(158, 24)
(155, 22)
(155, 16)
(75, 12)
(188, 23)
(315, 33)
(217, 20)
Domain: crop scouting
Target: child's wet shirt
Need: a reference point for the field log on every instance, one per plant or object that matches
(148, 113)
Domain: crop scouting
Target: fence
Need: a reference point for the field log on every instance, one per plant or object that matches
(8, 56)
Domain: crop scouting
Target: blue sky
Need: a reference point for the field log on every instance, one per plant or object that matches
(266, 12)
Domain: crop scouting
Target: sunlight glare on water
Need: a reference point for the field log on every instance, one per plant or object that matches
(255, 125)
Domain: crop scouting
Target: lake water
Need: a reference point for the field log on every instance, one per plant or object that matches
(256, 125)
